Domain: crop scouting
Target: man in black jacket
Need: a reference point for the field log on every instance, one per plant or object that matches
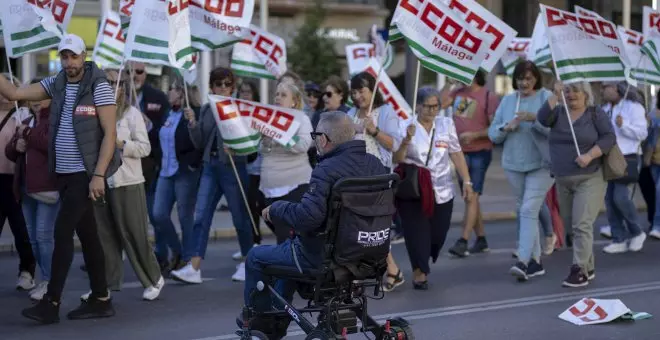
(154, 106)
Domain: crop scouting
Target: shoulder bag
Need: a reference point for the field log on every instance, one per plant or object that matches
(615, 165)
(408, 188)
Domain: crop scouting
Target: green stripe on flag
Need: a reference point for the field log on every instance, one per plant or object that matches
(151, 41)
(394, 33)
(441, 70)
(27, 34)
(246, 151)
(109, 48)
(543, 60)
(429, 55)
(248, 64)
(184, 53)
(150, 55)
(642, 72)
(588, 61)
(253, 74)
(591, 74)
(651, 51)
(35, 45)
(211, 45)
(108, 58)
(241, 140)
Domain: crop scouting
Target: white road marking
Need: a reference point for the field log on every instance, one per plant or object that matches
(494, 305)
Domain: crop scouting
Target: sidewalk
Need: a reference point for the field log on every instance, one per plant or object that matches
(497, 202)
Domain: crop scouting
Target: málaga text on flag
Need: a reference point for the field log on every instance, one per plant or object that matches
(441, 40)
(245, 63)
(516, 52)
(390, 93)
(109, 48)
(262, 55)
(217, 24)
(645, 70)
(243, 122)
(584, 48)
(159, 33)
(23, 30)
(475, 14)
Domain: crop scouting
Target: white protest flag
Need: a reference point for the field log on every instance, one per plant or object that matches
(125, 12)
(189, 76)
(262, 55)
(650, 48)
(476, 15)
(110, 42)
(586, 13)
(441, 40)
(390, 93)
(245, 63)
(159, 33)
(644, 70)
(651, 22)
(594, 311)
(585, 48)
(217, 24)
(24, 30)
(358, 57)
(384, 55)
(515, 53)
(242, 122)
(539, 47)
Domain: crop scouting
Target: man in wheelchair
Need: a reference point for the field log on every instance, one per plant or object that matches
(338, 246)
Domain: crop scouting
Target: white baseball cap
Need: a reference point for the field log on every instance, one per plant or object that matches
(72, 43)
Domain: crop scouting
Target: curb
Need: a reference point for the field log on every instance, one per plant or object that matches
(219, 234)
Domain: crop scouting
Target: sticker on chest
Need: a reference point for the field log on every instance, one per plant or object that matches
(153, 107)
(85, 110)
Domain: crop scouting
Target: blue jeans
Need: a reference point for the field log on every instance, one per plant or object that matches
(530, 189)
(40, 222)
(182, 189)
(621, 212)
(278, 255)
(477, 163)
(150, 193)
(218, 179)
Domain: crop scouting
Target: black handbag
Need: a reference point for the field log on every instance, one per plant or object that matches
(408, 188)
(632, 170)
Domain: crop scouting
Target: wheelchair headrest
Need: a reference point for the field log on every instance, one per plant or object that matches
(366, 184)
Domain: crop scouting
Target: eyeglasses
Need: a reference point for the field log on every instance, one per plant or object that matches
(223, 83)
(328, 94)
(431, 108)
(317, 134)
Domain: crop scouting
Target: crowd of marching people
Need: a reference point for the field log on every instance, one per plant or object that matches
(63, 171)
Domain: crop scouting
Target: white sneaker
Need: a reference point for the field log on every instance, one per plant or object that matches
(238, 256)
(239, 275)
(151, 293)
(616, 248)
(38, 292)
(606, 231)
(25, 281)
(637, 242)
(187, 274)
(655, 233)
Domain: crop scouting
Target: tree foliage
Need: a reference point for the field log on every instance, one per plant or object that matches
(312, 55)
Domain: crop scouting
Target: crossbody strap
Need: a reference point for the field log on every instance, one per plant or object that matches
(428, 156)
(5, 120)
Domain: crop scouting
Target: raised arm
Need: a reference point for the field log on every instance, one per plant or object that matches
(32, 92)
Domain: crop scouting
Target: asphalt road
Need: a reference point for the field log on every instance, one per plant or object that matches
(471, 298)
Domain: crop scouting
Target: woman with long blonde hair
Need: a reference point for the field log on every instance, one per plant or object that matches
(285, 171)
(123, 220)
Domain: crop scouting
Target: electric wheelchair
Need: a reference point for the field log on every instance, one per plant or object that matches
(357, 243)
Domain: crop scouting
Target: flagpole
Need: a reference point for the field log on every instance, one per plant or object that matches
(380, 70)
(11, 75)
(414, 104)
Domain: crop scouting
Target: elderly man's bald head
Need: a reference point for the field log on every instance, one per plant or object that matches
(337, 128)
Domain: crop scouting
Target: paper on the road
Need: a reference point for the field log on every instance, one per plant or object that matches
(594, 311)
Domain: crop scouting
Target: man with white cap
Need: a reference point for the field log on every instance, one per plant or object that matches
(82, 154)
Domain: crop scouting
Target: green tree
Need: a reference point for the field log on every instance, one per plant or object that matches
(312, 55)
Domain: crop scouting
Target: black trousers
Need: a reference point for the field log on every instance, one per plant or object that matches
(11, 210)
(76, 214)
(256, 202)
(283, 232)
(424, 236)
(647, 187)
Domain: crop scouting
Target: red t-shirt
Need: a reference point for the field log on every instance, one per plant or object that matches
(473, 111)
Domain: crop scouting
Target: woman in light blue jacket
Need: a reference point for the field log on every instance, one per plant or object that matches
(524, 161)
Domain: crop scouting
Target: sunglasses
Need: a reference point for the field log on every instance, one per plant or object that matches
(317, 134)
(223, 83)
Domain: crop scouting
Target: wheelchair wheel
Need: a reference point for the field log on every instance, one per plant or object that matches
(400, 330)
(318, 335)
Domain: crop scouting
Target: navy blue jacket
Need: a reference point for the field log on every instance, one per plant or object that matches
(349, 159)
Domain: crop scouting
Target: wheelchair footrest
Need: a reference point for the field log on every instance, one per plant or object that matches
(345, 319)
